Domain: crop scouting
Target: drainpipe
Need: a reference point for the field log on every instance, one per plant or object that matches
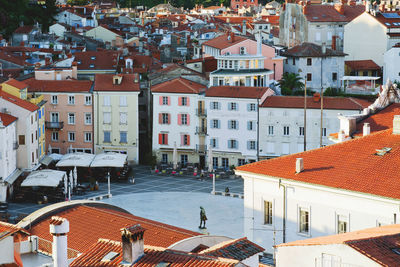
(258, 129)
(284, 212)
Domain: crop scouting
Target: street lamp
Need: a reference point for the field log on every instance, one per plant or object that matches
(109, 185)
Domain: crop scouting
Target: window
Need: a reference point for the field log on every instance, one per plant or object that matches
(285, 130)
(123, 137)
(215, 124)
(334, 76)
(270, 130)
(317, 36)
(54, 116)
(54, 136)
(91, 66)
(294, 61)
(122, 101)
(106, 100)
(251, 145)
(225, 163)
(32, 138)
(215, 162)
(267, 212)
(251, 107)
(309, 61)
(164, 158)
(365, 73)
(165, 100)
(71, 100)
(232, 124)
(185, 140)
(184, 101)
(163, 139)
(107, 136)
(164, 118)
(323, 131)
(54, 99)
(184, 160)
(214, 105)
(301, 131)
(106, 117)
(21, 139)
(88, 100)
(341, 224)
(233, 144)
(251, 125)
(184, 119)
(123, 118)
(241, 162)
(71, 136)
(88, 118)
(88, 137)
(71, 118)
(213, 142)
(232, 106)
(309, 77)
(304, 220)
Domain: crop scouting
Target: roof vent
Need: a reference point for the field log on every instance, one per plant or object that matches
(396, 124)
(299, 165)
(366, 129)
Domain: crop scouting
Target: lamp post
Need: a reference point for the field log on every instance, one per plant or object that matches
(213, 190)
(109, 185)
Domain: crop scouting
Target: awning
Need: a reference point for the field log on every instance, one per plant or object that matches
(46, 160)
(12, 177)
(78, 159)
(359, 78)
(56, 156)
(109, 159)
(48, 178)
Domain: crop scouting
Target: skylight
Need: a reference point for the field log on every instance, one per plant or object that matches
(383, 151)
(110, 256)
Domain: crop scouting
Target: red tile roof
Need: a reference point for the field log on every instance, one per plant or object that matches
(24, 29)
(236, 91)
(328, 13)
(13, 59)
(7, 229)
(18, 101)
(7, 119)
(351, 165)
(100, 60)
(178, 85)
(311, 50)
(17, 84)
(152, 258)
(59, 86)
(104, 82)
(222, 42)
(362, 64)
(88, 224)
(344, 103)
(388, 22)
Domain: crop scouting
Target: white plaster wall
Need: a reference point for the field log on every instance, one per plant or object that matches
(7, 250)
(8, 155)
(324, 203)
(365, 38)
(308, 256)
(57, 29)
(391, 66)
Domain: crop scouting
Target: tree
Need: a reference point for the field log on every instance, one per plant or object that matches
(290, 82)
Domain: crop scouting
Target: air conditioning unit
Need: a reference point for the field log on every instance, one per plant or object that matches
(227, 53)
(243, 50)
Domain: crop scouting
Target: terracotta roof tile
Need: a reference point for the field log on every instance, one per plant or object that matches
(237, 91)
(24, 29)
(178, 85)
(104, 82)
(344, 103)
(59, 86)
(328, 13)
(356, 166)
(7, 119)
(88, 224)
(18, 101)
(13, 59)
(388, 22)
(362, 64)
(17, 84)
(311, 50)
(222, 42)
(97, 60)
(152, 258)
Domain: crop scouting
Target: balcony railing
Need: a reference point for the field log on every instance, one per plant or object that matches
(54, 125)
(201, 130)
(201, 112)
(201, 148)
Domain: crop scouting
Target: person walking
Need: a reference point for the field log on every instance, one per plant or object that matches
(203, 218)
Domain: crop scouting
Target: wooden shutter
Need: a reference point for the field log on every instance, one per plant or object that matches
(179, 119)
(188, 119)
(160, 139)
(187, 101)
(160, 118)
(188, 140)
(169, 100)
(169, 118)
(161, 102)
(180, 101)
(166, 138)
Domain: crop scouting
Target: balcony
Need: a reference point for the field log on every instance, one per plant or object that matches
(15, 145)
(201, 112)
(201, 130)
(54, 125)
(201, 148)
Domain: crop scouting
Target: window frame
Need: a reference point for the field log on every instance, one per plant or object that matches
(71, 97)
(109, 137)
(71, 118)
(268, 212)
(85, 135)
(307, 222)
(69, 137)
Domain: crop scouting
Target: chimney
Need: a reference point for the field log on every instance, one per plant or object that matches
(316, 97)
(132, 244)
(259, 43)
(232, 37)
(59, 227)
(244, 30)
(396, 124)
(136, 78)
(74, 70)
(323, 48)
(339, 7)
(382, 7)
(299, 165)
(334, 42)
(341, 136)
(366, 129)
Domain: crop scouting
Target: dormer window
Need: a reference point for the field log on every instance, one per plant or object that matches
(93, 58)
(91, 65)
(79, 62)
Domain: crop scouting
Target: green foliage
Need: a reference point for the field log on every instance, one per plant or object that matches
(78, 2)
(290, 82)
(397, 83)
(301, 93)
(12, 13)
(332, 92)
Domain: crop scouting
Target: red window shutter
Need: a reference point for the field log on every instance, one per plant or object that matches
(169, 118)
(187, 101)
(169, 101)
(188, 119)
(166, 139)
(160, 139)
(179, 119)
(188, 140)
(180, 101)
(160, 118)
(182, 140)
(161, 102)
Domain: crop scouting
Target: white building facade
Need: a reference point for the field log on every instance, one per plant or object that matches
(8, 146)
(391, 66)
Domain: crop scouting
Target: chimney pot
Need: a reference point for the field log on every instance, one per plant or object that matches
(299, 165)
(323, 48)
(132, 244)
(366, 129)
(59, 227)
(396, 124)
